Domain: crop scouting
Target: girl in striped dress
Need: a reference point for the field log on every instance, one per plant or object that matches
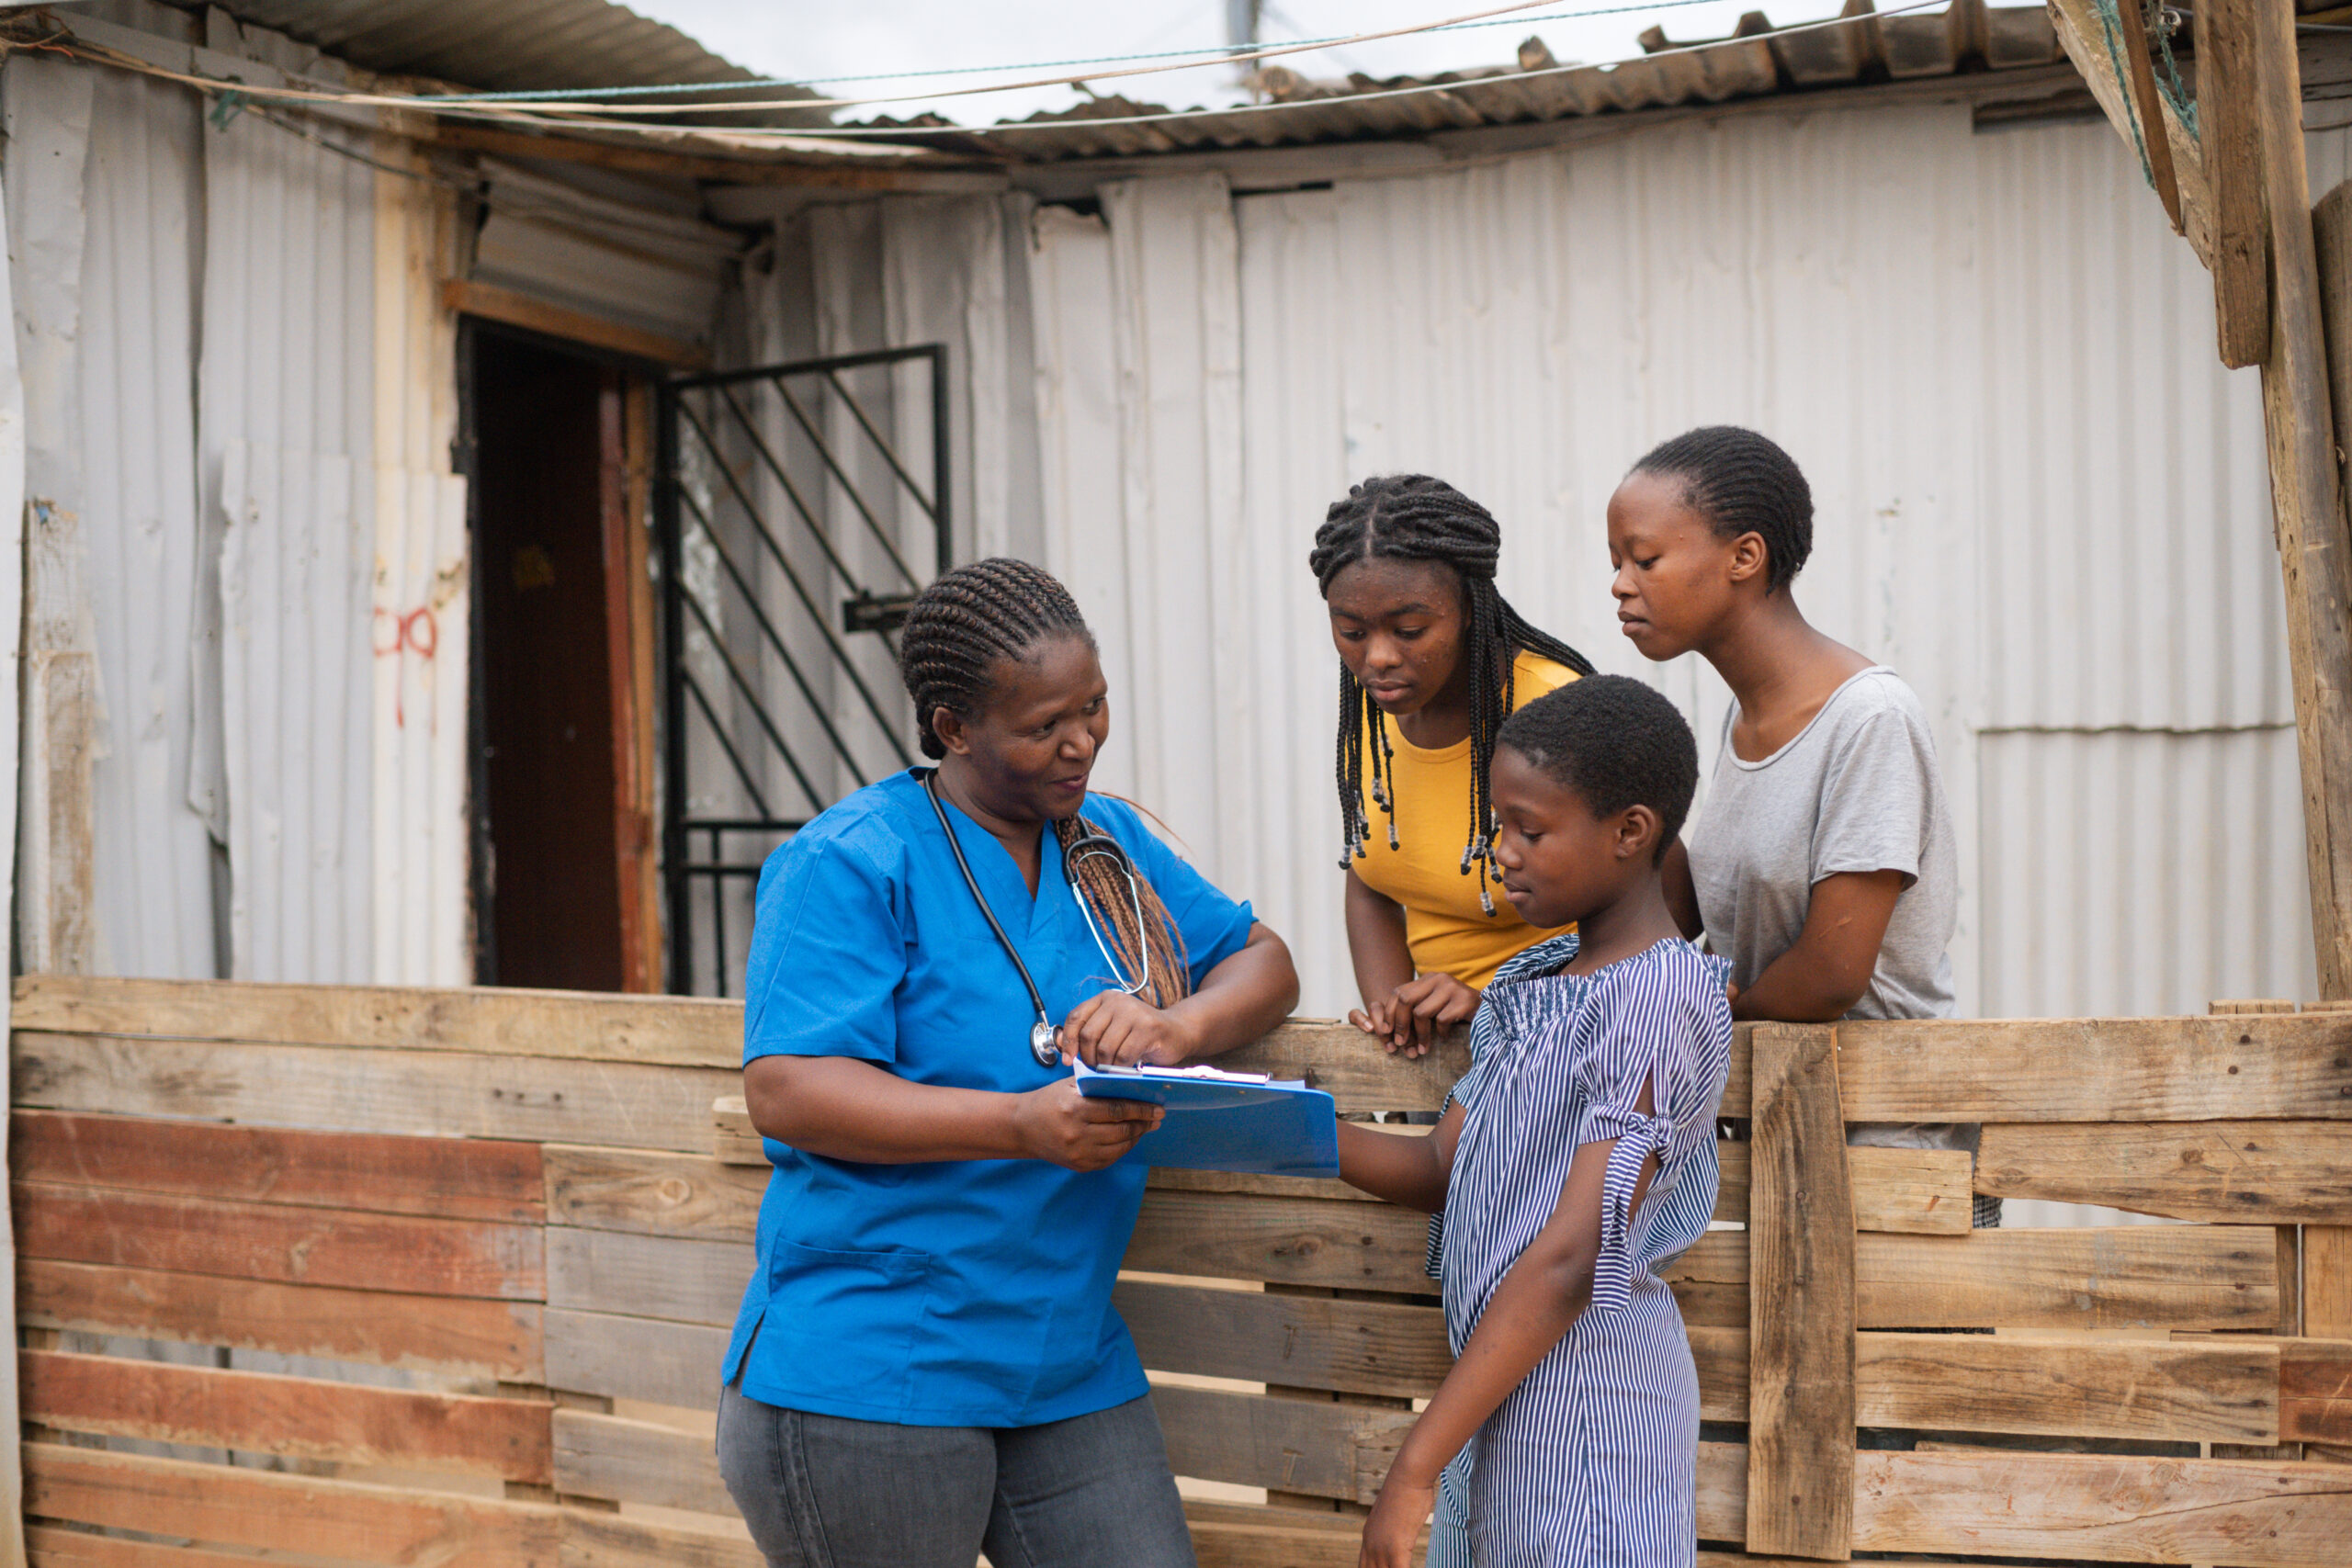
(1576, 1158)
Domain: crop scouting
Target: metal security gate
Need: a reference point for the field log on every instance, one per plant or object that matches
(797, 522)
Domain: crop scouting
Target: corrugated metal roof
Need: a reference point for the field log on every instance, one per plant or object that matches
(1757, 60)
(513, 45)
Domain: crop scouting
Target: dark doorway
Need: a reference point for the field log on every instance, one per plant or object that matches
(557, 553)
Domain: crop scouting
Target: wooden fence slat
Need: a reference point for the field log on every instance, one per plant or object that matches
(1346, 1064)
(2128, 1277)
(454, 1178)
(280, 1242)
(635, 1358)
(442, 1094)
(652, 1193)
(53, 1546)
(1245, 1535)
(223, 1505)
(2117, 1069)
(301, 1417)
(2224, 1390)
(2231, 1172)
(637, 1461)
(493, 1338)
(1291, 1444)
(2327, 1282)
(2104, 1507)
(494, 1020)
(611, 1540)
(1800, 1326)
(675, 1277)
(1256, 1184)
(1301, 1341)
(1920, 1192)
(2315, 1391)
(1292, 1241)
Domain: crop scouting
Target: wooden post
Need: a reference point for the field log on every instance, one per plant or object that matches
(2306, 498)
(1801, 1301)
(2232, 144)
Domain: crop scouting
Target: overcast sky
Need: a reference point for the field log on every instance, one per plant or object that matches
(806, 41)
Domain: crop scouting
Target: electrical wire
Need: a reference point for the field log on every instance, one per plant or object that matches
(1197, 58)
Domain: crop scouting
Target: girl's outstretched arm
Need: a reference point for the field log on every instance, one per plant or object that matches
(1539, 1301)
(1403, 1168)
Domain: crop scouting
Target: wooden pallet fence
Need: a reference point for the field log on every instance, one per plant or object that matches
(529, 1201)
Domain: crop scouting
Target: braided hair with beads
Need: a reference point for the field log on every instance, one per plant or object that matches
(1415, 517)
(956, 632)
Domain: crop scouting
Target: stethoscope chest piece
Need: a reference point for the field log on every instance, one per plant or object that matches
(1042, 1047)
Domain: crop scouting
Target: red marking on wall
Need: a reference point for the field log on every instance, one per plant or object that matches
(397, 636)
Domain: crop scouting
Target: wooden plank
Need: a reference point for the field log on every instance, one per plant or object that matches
(2139, 1069)
(1293, 1241)
(53, 1546)
(465, 1178)
(2104, 1507)
(626, 430)
(2315, 1391)
(637, 1461)
(633, 1357)
(2085, 39)
(1315, 1342)
(2230, 144)
(1259, 1184)
(1343, 1061)
(1720, 1356)
(610, 1540)
(280, 1242)
(652, 1193)
(432, 1093)
(1802, 1302)
(2221, 1389)
(516, 309)
(2243, 1172)
(1243, 1535)
(2327, 1282)
(300, 1417)
(2128, 1276)
(497, 1021)
(234, 1506)
(1293, 1445)
(2148, 110)
(675, 1277)
(1920, 1192)
(493, 1339)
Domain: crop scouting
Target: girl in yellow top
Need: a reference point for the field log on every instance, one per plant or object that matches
(1432, 662)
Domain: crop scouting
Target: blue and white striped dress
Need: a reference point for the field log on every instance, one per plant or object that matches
(1590, 1462)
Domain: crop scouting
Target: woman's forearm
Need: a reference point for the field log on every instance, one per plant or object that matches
(1402, 1168)
(1243, 998)
(844, 1109)
(1376, 945)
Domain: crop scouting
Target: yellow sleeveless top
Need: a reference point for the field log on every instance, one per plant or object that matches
(1444, 927)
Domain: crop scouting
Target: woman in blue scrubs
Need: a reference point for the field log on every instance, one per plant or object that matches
(927, 1365)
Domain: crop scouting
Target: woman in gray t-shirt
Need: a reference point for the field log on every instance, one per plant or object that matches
(1823, 863)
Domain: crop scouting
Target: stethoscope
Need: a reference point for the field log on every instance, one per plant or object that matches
(1043, 1035)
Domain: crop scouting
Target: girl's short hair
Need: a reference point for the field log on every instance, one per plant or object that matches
(1742, 482)
(1617, 743)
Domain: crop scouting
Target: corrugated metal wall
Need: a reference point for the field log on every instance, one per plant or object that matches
(214, 384)
(2038, 495)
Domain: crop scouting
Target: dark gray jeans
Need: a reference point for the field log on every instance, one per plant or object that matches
(823, 1492)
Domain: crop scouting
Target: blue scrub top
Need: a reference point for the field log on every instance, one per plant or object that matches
(951, 1292)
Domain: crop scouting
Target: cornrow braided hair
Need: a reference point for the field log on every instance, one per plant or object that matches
(956, 632)
(1742, 482)
(1415, 517)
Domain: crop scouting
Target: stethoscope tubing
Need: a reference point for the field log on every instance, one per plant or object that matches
(1042, 1035)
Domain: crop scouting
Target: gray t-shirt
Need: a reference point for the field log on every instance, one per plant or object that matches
(1857, 790)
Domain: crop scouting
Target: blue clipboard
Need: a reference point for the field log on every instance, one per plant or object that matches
(1240, 1123)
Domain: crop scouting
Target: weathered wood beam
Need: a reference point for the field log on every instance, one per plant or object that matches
(2148, 105)
(1801, 1319)
(2083, 38)
(2231, 145)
